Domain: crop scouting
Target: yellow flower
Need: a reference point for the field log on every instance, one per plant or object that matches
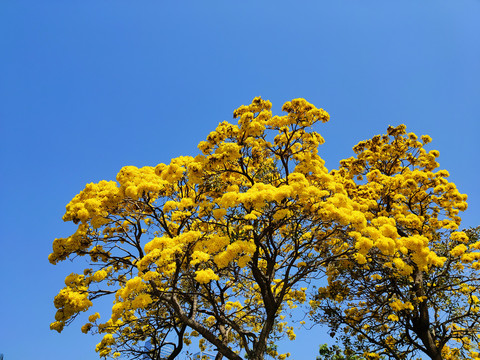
(94, 317)
(205, 276)
(458, 250)
(393, 317)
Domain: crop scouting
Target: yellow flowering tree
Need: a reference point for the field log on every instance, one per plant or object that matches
(221, 245)
(413, 286)
(217, 246)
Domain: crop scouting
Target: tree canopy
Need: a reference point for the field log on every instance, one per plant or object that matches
(221, 245)
(420, 294)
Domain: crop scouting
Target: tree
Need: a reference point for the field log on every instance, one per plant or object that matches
(336, 353)
(215, 246)
(219, 246)
(417, 293)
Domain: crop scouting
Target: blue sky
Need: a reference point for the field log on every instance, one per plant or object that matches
(87, 87)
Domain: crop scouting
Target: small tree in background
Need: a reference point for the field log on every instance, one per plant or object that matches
(334, 352)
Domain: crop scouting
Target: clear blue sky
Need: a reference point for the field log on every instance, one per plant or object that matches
(89, 86)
